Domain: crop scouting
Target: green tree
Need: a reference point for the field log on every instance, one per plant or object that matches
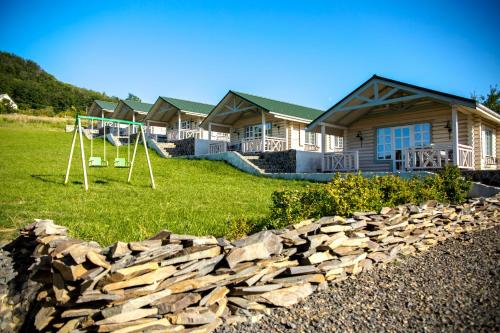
(132, 97)
(491, 100)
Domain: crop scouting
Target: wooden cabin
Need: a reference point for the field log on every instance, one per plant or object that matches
(388, 125)
(102, 109)
(177, 119)
(243, 117)
(132, 111)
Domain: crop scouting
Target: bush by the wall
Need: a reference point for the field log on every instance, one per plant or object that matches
(346, 194)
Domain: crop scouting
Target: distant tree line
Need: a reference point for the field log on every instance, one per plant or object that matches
(34, 89)
(491, 100)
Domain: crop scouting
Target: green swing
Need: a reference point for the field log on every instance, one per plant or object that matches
(97, 161)
(122, 162)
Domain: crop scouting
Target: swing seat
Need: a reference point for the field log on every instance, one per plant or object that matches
(121, 162)
(97, 161)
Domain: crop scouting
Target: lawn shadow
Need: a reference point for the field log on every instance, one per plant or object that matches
(54, 179)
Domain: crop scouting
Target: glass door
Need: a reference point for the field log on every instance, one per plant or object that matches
(402, 141)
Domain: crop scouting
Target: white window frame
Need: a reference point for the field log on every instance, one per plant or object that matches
(487, 153)
(389, 132)
(310, 138)
(185, 125)
(255, 131)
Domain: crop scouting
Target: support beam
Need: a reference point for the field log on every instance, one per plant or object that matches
(209, 131)
(286, 134)
(323, 146)
(84, 163)
(454, 136)
(147, 157)
(71, 153)
(263, 130)
(133, 159)
(178, 125)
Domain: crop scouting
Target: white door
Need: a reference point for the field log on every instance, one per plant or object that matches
(402, 141)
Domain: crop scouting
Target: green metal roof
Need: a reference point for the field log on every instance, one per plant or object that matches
(138, 106)
(189, 105)
(106, 105)
(283, 108)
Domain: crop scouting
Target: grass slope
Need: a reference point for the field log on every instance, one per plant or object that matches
(194, 197)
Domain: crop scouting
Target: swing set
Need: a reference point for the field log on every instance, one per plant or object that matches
(96, 161)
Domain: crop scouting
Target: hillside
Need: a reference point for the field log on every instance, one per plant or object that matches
(33, 88)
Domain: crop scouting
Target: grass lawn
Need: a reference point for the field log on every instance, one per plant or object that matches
(193, 197)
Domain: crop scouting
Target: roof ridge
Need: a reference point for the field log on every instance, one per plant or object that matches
(186, 100)
(275, 100)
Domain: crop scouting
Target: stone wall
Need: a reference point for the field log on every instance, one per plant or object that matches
(182, 283)
(183, 147)
(487, 177)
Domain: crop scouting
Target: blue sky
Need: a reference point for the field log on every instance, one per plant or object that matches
(306, 52)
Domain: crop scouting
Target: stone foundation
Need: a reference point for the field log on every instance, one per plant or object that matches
(182, 283)
(183, 147)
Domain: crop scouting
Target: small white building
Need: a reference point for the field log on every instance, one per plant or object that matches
(5, 97)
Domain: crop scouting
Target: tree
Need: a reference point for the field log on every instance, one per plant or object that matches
(491, 100)
(132, 97)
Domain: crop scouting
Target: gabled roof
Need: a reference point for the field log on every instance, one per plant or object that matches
(279, 107)
(106, 105)
(138, 106)
(190, 106)
(368, 96)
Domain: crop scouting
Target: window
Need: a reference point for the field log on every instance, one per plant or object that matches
(422, 133)
(338, 142)
(488, 142)
(255, 131)
(185, 124)
(384, 143)
(310, 138)
(398, 138)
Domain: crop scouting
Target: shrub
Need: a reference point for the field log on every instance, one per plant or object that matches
(453, 185)
(346, 194)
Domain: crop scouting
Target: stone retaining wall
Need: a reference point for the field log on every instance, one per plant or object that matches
(183, 147)
(182, 283)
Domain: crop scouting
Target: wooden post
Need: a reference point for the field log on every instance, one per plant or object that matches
(454, 137)
(147, 157)
(71, 153)
(263, 130)
(133, 159)
(286, 134)
(178, 125)
(84, 164)
(323, 147)
(209, 131)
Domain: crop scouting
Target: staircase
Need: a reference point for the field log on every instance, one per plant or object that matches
(113, 139)
(265, 163)
(161, 148)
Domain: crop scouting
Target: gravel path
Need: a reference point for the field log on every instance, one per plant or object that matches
(454, 287)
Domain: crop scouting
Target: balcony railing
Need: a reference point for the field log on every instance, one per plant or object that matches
(438, 157)
(255, 145)
(311, 147)
(184, 134)
(341, 161)
(490, 161)
(217, 147)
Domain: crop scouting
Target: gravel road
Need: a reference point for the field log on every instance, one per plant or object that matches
(454, 287)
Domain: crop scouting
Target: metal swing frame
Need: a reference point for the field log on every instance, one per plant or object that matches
(78, 129)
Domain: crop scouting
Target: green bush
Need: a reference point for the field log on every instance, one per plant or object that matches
(452, 185)
(346, 194)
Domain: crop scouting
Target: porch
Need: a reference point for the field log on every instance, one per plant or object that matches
(390, 126)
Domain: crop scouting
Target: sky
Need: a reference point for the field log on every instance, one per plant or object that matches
(311, 53)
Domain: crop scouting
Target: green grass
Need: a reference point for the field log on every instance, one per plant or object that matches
(192, 197)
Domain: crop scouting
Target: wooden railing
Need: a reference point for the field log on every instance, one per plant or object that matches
(465, 157)
(255, 145)
(490, 160)
(340, 161)
(184, 134)
(217, 147)
(275, 144)
(311, 147)
(438, 157)
(220, 136)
